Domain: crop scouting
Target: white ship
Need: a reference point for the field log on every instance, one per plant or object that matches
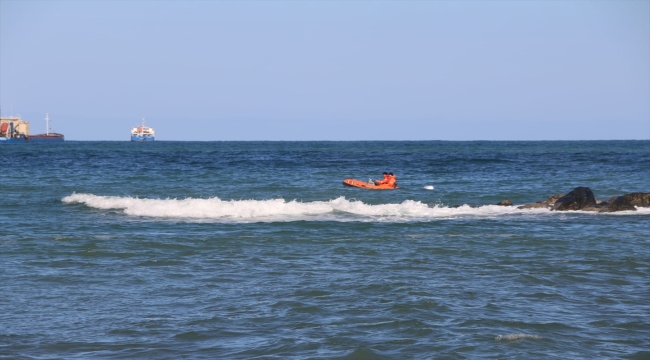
(142, 133)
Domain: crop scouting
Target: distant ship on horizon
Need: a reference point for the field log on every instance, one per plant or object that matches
(13, 129)
(48, 136)
(142, 133)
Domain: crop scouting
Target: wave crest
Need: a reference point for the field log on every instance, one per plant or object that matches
(339, 209)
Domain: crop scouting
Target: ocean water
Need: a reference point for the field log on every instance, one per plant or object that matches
(255, 250)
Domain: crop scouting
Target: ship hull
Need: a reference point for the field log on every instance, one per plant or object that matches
(47, 138)
(6, 140)
(142, 138)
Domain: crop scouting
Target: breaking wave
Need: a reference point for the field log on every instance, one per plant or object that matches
(339, 209)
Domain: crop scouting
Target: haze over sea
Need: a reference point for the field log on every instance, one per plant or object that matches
(241, 250)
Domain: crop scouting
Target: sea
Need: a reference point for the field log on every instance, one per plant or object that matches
(256, 250)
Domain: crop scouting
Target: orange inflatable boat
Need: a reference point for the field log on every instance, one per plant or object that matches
(366, 185)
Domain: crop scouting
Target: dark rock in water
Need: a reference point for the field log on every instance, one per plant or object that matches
(579, 198)
(539, 204)
(638, 199)
(505, 202)
(548, 203)
(621, 203)
(582, 198)
(552, 199)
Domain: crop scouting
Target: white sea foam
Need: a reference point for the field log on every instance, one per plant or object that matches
(639, 211)
(339, 209)
(512, 337)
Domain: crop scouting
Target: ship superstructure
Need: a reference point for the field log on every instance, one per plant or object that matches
(13, 129)
(142, 133)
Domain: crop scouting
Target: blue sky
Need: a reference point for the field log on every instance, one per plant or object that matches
(329, 70)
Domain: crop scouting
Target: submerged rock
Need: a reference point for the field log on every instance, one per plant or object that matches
(578, 199)
(505, 202)
(548, 203)
(470, 205)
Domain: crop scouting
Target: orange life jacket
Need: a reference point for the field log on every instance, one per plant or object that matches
(382, 181)
(392, 181)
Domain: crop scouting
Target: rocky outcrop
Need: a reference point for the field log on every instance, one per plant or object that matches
(620, 203)
(582, 198)
(579, 198)
(638, 199)
(548, 203)
(505, 202)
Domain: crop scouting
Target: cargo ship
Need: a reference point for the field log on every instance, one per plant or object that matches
(142, 133)
(48, 136)
(13, 129)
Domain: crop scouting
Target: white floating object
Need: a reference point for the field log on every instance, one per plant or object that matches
(428, 187)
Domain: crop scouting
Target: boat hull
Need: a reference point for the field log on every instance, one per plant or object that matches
(14, 140)
(142, 138)
(47, 138)
(365, 185)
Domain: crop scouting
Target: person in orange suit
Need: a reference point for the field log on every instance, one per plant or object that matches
(382, 181)
(392, 180)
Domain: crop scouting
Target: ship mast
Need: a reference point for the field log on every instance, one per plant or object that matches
(47, 124)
